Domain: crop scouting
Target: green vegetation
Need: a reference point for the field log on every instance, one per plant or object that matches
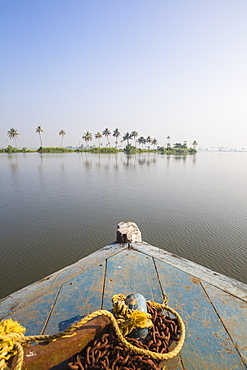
(54, 150)
(145, 144)
(176, 150)
(99, 150)
(11, 149)
(130, 149)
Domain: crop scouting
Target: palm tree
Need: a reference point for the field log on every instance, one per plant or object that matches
(142, 141)
(194, 144)
(116, 134)
(155, 142)
(127, 137)
(87, 137)
(148, 140)
(107, 133)
(38, 131)
(98, 136)
(134, 134)
(62, 133)
(168, 141)
(12, 134)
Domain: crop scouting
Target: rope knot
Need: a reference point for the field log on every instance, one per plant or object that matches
(11, 333)
(124, 321)
(128, 319)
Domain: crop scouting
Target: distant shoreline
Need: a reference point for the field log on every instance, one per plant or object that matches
(112, 150)
(129, 149)
(223, 150)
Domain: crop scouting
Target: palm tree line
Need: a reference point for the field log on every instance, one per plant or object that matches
(13, 133)
(128, 136)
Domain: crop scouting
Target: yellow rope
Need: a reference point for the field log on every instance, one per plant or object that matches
(156, 306)
(128, 319)
(11, 342)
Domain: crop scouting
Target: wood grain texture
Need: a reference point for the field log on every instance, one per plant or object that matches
(233, 313)
(223, 282)
(77, 298)
(216, 320)
(133, 272)
(207, 344)
(20, 298)
(35, 315)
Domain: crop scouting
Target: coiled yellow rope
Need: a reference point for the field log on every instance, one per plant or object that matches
(12, 333)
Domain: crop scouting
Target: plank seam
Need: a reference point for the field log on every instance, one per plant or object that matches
(236, 288)
(103, 290)
(54, 284)
(181, 361)
(51, 310)
(157, 273)
(234, 345)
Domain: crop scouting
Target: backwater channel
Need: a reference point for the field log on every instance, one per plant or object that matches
(58, 208)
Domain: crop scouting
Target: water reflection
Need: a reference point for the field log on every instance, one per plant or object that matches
(113, 161)
(68, 205)
(115, 166)
(13, 158)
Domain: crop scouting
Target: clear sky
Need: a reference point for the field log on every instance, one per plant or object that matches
(160, 67)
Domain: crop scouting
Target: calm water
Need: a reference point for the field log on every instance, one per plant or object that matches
(58, 208)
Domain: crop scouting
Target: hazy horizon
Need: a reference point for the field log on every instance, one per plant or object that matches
(161, 68)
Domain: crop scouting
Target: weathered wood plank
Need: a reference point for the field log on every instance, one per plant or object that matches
(207, 344)
(233, 313)
(34, 316)
(77, 298)
(223, 282)
(133, 272)
(26, 295)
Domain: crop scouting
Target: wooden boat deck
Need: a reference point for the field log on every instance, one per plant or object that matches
(213, 307)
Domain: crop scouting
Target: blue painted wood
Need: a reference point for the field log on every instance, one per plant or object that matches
(133, 272)
(223, 282)
(34, 315)
(233, 313)
(26, 295)
(207, 344)
(210, 314)
(77, 298)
